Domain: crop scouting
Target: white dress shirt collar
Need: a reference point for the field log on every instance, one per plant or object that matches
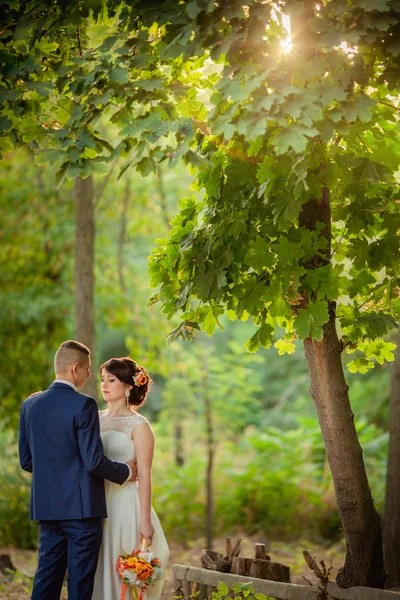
(66, 382)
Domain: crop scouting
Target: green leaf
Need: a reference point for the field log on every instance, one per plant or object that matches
(360, 364)
(197, 160)
(5, 124)
(47, 47)
(21, 46)
(287, 251)
(319, 312)
(359, 108)
(60, 175)
(302, 323)
(209, 319)
(119, 75)
(331, 94)
(193, 9)
(295, 136)
(245, 588)
(285, 347)
(375, 5)
(361, 283)
(380, 350)
(259, 255)
(222, 588)
(309, 321)
(49, 157)
(146, 166)
(263, 337)
(6, 145)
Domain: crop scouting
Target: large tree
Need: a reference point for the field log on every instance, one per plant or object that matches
(293, 135)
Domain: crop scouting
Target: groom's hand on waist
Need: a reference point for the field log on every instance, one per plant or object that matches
(133, 467)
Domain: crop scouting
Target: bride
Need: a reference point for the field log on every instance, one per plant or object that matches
(125, 433)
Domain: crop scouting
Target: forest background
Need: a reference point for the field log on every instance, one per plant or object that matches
(236, 427)
(271, 474)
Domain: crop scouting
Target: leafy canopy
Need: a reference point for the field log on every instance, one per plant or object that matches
(274, 105)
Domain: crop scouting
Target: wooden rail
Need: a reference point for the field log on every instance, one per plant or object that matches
(192, 579)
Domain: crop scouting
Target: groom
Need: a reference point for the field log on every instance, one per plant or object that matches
(59, 443)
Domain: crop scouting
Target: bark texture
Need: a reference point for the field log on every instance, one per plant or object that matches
(392, 498)
(361, 524)
(84, 272)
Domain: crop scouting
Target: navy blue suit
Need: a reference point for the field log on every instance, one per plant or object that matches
(59, 443)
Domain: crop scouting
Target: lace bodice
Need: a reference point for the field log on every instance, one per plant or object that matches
(122, 424)
(116, 435)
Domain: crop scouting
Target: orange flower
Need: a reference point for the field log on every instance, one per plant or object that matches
(142, 379)
(143, 569)
(132, 561)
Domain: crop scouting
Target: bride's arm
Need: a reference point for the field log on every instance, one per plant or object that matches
(144, 448)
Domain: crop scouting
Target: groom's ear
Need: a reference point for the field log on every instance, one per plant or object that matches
(75, 368)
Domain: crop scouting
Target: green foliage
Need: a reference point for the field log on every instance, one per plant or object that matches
(276, 482)
(240, 591)
(35, 296)
(15, 527)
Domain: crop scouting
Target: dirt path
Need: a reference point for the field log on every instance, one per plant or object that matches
(17, 587)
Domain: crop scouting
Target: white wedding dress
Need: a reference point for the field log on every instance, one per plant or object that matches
(121, 528)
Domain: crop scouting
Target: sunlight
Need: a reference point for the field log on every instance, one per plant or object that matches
(350, 52)
(286, 45)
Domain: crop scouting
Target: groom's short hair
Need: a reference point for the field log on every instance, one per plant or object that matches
(69, 353)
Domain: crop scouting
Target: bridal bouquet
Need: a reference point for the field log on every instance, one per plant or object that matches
(139, 569)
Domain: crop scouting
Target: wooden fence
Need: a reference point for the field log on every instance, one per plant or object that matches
(191, 579)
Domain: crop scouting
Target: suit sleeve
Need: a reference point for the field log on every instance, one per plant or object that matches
(91, 447)
(25, 456)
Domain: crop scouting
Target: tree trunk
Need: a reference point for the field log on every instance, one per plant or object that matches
(210, 463)
(360, 520)
(163, 197)
(179, 453)
(84, 272)
(361, 523)
(392, 498)
(122, 234)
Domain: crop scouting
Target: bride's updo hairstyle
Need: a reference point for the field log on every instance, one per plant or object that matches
(128, 371)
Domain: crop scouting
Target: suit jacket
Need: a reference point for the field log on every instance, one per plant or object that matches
(59, 443)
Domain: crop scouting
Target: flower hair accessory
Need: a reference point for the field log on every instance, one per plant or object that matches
(140, 378)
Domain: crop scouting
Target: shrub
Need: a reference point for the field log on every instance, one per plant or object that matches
(16, 529)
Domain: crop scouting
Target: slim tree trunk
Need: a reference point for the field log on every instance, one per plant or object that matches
(179, 453)
(163, 197)
(210, 465)
(392, 498)
(84, 272)
(360, 520)
(122, 234)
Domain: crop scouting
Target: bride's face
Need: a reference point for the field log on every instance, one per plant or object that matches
(112, 388)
